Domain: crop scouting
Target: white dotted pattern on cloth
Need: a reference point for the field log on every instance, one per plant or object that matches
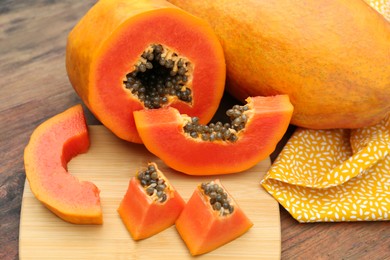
(334, 175)
(381, 6)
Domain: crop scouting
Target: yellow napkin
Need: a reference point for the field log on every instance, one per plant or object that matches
(334, 175)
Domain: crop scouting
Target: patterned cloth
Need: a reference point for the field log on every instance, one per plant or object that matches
(381, 6)
(334, 175)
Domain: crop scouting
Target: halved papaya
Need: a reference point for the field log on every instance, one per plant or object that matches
(127, 55)
(52, 145)
(151, 204)
(187, 146)
(211, 218)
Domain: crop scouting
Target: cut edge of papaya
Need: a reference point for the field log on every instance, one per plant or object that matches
(142, 216)
(162, 133)
(52, 145)
(203, 229)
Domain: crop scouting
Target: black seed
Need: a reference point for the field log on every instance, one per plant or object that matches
(217, 206)
(233, 138)
(154, 176)
(229, 112)
(150, 56)
(180, 63)
(150, 190)
(149, 65)
(226, 134)
(168, 84)
(160, 187)
(163, 197)
(158, 76)
(142, 67)
(181, 71)
(195, 120)
(237, 121)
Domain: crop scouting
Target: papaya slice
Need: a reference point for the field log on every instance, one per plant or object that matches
(52, 145)
(211, 218)
(151, 204)
(195, 149)
(130, 55)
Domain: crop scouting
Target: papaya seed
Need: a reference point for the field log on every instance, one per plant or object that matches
(217, 197)
(160, 72)
(153, 185)
(219, 131)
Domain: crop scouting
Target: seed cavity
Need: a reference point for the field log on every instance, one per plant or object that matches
(160, 75)
(219, 131)
(154, 186)
(218, 198)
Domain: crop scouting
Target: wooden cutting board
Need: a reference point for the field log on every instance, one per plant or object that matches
(110, 163)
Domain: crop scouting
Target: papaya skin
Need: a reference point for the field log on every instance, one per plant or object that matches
(162, 133)
(98, 62)
(331, 57)
(52, 145)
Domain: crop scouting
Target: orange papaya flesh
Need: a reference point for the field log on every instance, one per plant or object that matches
(99, 64)
(52, 145)
(145, 212)
(204, 228)
(163, 133)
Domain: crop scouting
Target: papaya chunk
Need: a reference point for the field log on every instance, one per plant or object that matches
(262, 123)
(52, 145)
(150, 205)
(146, 54)
(208, 222)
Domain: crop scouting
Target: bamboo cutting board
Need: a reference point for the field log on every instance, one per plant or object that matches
(110, 163)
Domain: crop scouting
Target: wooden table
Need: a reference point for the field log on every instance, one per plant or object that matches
(34, 86)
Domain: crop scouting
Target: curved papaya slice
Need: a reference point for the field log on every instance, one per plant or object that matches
(211, 218)
(129, 55)
(151, 204)
(52, 145)
(194, 149)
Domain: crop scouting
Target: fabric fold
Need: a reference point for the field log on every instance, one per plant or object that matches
(334, 175)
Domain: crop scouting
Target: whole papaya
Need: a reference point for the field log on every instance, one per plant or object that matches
(332, 57)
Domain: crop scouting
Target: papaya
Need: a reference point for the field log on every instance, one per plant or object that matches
(127, 55)
(51, 146)
(211, 219)
(331, 57)
(151, 204)
(217, 148)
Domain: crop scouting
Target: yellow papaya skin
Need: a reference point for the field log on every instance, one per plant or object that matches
(332, 57)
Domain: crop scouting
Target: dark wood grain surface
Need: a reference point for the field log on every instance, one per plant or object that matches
(34, 86)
